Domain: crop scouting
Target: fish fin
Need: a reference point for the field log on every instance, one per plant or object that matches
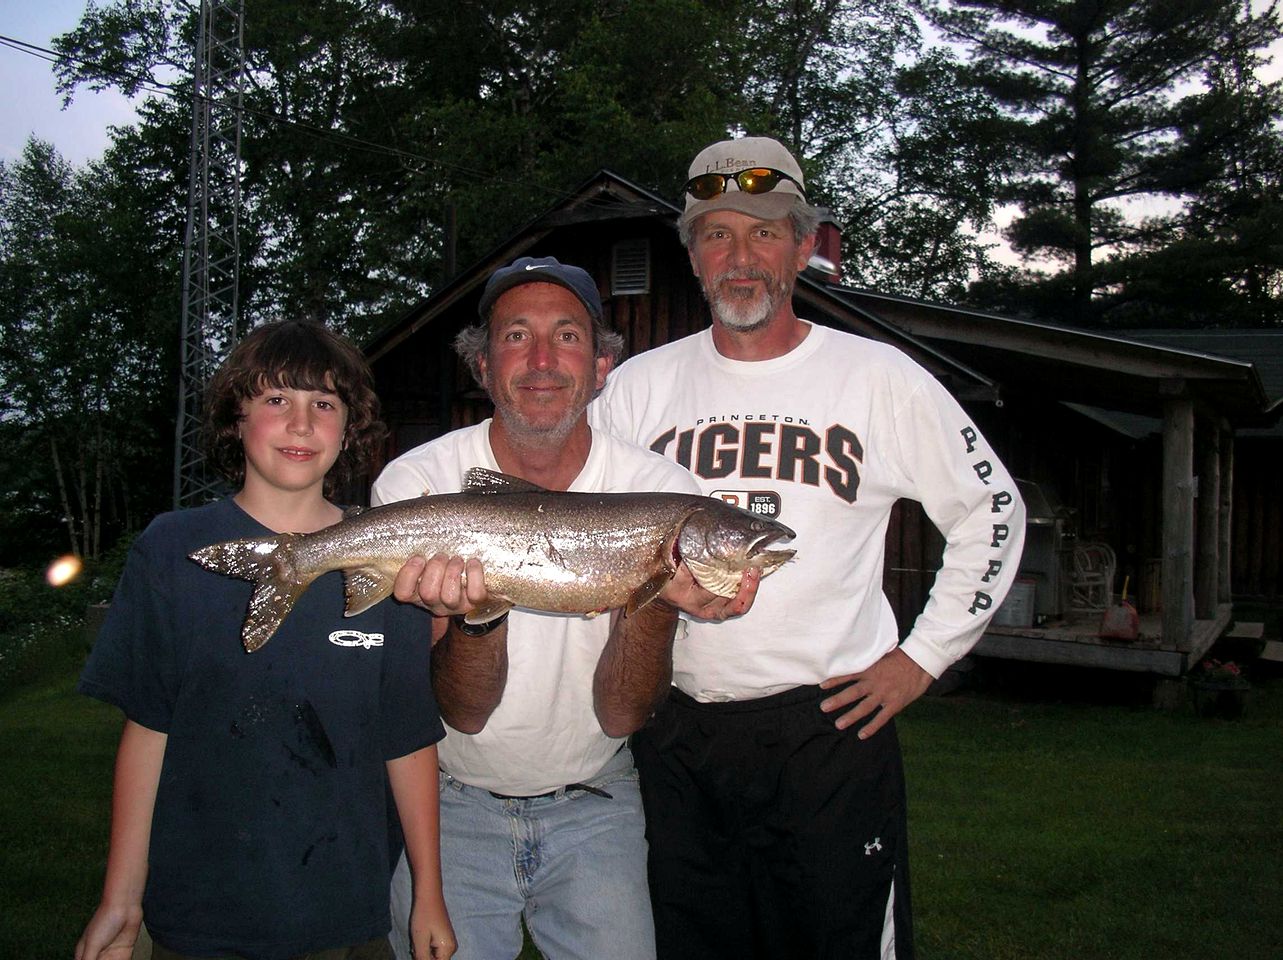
(482, 481)
(492, 609)
(269, 563)
(647, 592)
(363, 587)
(268, 607)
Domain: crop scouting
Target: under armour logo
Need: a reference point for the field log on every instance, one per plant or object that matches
(875, 844)
(355, 638)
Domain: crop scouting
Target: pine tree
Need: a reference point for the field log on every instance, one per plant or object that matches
(1095, 93)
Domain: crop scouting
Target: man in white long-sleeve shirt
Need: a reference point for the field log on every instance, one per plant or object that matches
(772, 778)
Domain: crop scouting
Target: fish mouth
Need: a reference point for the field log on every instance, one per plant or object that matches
(768, 560)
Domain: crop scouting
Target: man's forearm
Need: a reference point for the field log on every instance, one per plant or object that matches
(635, 669)
(469, 675)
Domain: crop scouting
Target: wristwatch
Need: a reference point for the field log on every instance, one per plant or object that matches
(479, 629)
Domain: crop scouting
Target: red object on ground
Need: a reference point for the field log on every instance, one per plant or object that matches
(1120, 621)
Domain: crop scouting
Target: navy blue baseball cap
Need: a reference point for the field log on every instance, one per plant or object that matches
(542, 270)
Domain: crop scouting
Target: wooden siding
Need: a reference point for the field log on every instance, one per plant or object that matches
(913, 550)
(1257, 520)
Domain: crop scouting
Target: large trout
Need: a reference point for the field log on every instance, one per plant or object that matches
(580, 553)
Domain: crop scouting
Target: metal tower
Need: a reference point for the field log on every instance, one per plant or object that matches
(211, 251)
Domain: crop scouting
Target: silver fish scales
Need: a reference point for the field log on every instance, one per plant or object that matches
(574, 553)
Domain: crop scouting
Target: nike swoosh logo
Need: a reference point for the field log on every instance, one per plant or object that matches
(534, 266)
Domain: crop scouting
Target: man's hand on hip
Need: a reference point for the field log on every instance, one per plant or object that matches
(887, 687)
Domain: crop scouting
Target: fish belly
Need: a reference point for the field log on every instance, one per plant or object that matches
(541, 552)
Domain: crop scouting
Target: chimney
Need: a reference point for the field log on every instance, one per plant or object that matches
(827, 258)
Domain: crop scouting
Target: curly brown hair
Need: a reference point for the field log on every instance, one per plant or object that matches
(293, 355)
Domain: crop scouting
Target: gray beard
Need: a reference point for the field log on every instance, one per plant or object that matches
(530, 437)
(535, 436)
(743, 316)
(742, 313)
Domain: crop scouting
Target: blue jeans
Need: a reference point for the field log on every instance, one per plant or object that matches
(572, 864)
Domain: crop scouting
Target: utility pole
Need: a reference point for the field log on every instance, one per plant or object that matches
(211, 251)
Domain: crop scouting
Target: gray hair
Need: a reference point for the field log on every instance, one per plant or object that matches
(474, 341)
(804, 218)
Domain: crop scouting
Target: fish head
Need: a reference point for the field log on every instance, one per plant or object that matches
(718, 542)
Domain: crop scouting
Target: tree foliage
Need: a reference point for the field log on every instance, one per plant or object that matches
(1223, 264)
(1097, 96)
(84, 314)
(386, 146)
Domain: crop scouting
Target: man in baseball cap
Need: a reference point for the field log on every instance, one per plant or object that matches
(753, 175)
(771, 777)
(537, 706)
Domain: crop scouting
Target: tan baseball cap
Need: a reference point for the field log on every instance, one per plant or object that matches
(729, 157)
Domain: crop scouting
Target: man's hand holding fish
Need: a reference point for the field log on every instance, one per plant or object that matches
(447, 586)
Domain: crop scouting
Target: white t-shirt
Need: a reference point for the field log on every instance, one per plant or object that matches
(825, 439)
(544, 733)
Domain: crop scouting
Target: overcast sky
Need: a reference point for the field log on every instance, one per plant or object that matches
(29, 103)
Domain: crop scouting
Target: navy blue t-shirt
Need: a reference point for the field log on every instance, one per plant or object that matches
(270, 833)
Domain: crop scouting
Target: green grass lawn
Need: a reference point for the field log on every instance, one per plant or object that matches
(1088, 830)
(1044, 823)
(56, 751)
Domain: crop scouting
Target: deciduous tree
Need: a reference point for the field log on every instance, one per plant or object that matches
(85, 301)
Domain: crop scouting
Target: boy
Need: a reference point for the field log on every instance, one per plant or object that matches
(249, 810)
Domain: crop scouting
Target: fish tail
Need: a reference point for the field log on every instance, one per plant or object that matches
(269, 564)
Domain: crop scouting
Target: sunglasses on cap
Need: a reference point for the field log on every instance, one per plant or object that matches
(752, 180)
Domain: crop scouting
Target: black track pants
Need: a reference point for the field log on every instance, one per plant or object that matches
(772, 833)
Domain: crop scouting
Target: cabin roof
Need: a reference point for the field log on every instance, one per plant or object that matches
(980, 355)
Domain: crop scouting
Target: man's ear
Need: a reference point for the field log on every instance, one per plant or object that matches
(604, 366)
(805, 250)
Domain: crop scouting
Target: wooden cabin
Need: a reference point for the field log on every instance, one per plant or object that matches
(1120, 446)
(1135, 444)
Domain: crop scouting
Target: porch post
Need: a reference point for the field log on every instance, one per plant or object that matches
(1207, 569)
(1224, 584)
(1178, 521)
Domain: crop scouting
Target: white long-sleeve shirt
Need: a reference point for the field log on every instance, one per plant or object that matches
(825, 439)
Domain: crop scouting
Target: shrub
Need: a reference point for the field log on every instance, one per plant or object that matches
(42, 628)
